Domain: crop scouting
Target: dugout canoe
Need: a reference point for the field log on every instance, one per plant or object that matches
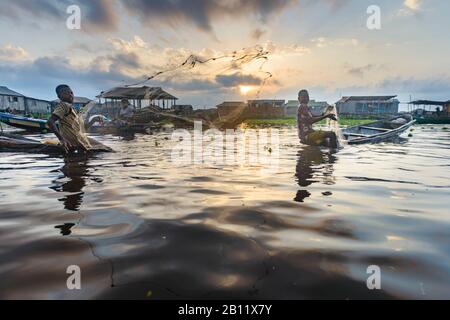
(17, 143)
(378, 131)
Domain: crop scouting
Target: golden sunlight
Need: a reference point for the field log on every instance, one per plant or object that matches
(246, 89)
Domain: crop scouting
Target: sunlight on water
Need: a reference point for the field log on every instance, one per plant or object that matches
(134, 222)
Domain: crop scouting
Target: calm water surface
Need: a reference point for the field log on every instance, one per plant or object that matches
(141, 227)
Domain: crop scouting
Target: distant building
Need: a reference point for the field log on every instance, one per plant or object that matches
(184, 110)
(78, 102)
(317, 108)
(231, 106)
(265, 108)
(12, 100)
(33, 105)
(140, 96)
(253, 109)
(368, 105)
(431, 112)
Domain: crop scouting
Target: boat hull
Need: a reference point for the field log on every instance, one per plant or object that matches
(28, 124)
(17, 143)
(376, 132)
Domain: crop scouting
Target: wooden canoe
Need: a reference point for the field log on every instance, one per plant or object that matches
(17, 143)
(378, 131)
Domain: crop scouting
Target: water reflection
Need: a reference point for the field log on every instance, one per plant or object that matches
(314, 165)
(72, 181)
(156, 230)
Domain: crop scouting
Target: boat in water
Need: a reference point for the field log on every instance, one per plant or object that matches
(379, 131)
(25, 123)
(17, 143)
(431, 112)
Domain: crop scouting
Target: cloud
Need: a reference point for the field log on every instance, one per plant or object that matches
(126, 63)
(361, 71)
(410, 7)
(104, 15)
(201, 13)
(38, 78)
(285, 50)
(413, 5)
(434, 88)
(13, 54)
(437, 87)
(234, 80)
(334, 5)
(257, 34)
(323, 42)
(101, 15)
(96, 15)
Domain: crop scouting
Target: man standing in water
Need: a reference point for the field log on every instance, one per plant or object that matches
(70, 130)
(127, 111)
(305, 120)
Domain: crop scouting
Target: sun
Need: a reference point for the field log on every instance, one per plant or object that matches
(246, 89)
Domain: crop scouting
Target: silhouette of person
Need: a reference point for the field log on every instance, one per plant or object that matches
(308, 169)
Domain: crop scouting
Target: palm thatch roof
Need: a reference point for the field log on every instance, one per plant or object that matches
(139, 93)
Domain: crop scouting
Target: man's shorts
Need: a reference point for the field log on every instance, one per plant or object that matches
(317, 138)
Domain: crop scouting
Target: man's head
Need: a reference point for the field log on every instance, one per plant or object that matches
(64, 93)
(125, 103)
(303, 96)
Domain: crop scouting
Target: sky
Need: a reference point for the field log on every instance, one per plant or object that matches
(251, 49)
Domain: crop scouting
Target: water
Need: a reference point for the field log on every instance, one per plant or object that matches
(140, 227)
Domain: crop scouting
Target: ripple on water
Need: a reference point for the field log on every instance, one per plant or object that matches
(136, 223)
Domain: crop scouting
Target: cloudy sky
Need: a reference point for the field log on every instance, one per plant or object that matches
(254, 48)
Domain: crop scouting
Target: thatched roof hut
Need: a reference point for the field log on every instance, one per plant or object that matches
(155, 96)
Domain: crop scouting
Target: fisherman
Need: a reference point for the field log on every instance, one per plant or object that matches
(127, 111)
(305, 120)
(70, 129)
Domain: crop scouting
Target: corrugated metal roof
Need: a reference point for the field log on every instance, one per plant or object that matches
(35, 99)
(267, 101)
(4, 91)
(430, 102)
(366, 98)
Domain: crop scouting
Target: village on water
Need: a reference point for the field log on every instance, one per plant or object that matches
(21, 111)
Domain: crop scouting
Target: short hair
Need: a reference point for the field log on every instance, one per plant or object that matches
(304, 91)
(60, 88)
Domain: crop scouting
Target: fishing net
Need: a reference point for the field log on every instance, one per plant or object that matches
(334, 126)
(209, 68)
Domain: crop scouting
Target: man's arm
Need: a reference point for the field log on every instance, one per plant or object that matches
(308, 118)
(323, 117)
(54, 128)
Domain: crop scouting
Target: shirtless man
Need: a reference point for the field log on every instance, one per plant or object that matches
(127, 110)
(305, 120)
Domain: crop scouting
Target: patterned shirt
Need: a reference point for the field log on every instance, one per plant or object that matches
(71, 126)
(304, 122)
